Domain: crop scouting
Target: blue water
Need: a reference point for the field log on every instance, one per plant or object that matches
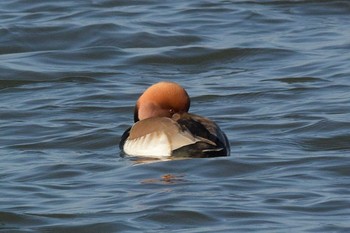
(274, 75)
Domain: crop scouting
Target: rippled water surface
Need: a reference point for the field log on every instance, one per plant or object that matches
(275, 75)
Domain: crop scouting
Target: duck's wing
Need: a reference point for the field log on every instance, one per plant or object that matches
(155, 137)
(211, 141)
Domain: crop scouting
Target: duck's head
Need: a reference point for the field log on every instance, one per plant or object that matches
(162, 99)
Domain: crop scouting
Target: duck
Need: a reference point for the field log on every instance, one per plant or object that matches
(164, 128)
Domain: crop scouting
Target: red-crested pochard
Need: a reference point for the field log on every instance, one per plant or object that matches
(163, 127)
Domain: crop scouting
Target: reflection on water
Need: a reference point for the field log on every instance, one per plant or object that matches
(277, 86)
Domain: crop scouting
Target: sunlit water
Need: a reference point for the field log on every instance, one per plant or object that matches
(274, 75)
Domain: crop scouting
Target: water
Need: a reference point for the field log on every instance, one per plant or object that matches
(275, 76)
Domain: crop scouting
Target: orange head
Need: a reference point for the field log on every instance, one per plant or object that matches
(162, 99)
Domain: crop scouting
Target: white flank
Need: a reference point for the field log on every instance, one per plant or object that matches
(155, 145)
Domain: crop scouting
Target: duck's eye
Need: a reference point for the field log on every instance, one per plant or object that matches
(172, 111)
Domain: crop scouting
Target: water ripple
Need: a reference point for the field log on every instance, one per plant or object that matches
(198, 55)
